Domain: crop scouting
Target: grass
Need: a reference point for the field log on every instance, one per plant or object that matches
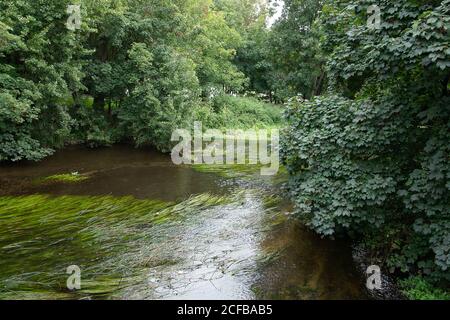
(228, 112)
(63, 178)
(40, 236)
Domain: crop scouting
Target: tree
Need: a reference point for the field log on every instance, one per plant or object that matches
(37, 71)
(61, 86)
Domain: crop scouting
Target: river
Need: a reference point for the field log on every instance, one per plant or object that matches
(139, 227)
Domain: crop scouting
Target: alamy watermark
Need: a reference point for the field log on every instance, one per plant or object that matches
(74, 280)
(374, 18)
(74, 21)
(216, 147)
(373, 278)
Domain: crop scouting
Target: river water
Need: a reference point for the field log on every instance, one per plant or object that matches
(209, 236)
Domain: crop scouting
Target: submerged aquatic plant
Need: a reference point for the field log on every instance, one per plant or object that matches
(40, 236)
(74, 177)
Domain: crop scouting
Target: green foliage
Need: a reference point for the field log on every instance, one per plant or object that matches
(416, 288)
(155, 108)
(212, 43)
(36, 70)
(371, 158)
(249, 17)
(285, 60)
(253, 59)
(229, 112)
(93, 128)
(295, 53)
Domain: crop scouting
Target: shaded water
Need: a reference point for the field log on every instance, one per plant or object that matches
(202, 236)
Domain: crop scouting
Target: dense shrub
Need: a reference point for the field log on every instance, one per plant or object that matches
(92, 128)
(362, 167)
(154, 109)
(371, 159)
(230, 112)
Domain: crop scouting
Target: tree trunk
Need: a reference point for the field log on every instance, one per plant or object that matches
(76, 99)
(445, 91)
(99, 103)
(319, 84)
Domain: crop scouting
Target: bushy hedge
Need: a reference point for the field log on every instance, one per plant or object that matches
(416, 288)
(371, 158)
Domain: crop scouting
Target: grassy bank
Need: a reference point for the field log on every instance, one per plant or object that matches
(229, 112)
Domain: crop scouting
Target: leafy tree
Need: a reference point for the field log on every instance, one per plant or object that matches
(371, 157)
(212, 44)
(253, 56)
(295, 53)
(163, 97)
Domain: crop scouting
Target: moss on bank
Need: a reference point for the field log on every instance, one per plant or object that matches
(417, 288)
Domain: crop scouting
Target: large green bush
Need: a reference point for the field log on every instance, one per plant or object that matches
(416, 288)
(371, 158)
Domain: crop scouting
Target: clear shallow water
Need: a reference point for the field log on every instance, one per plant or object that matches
(208, 237)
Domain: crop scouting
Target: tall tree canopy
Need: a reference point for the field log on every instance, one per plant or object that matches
(135, 69)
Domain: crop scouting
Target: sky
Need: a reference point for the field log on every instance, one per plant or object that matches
(277, 15)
